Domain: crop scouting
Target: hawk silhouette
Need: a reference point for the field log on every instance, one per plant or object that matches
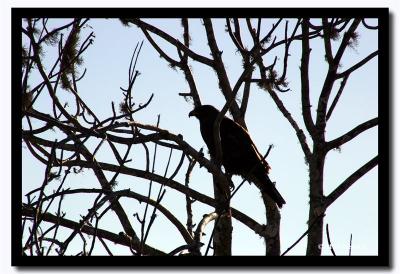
(239, 153)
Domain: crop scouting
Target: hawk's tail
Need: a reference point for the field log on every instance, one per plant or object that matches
(268, 187)
(271, 190)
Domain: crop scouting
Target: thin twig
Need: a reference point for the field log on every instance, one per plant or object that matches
(149, 192)
(304, 234)
(212, 235)
(189, 222)
(351, 239)
(329, 241)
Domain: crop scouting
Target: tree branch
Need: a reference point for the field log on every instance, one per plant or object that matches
(337, 97)
(175, 42)
(299, 132)
(357, 66)
(305, 85)
(185, 66)
(100, 233)
(127, 193)
(346, 184)
(330, 80)
(201, 227)
(329, 240)
(243, 218)
(159, 50)
(351, 134)
(345, 41)
(327, 40)
(219, 68)
(235, 37)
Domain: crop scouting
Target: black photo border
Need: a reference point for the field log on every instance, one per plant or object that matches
(384, 107)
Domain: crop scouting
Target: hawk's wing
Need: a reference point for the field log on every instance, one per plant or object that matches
(239, 144)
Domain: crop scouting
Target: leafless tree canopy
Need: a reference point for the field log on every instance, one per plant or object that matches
(61, 136)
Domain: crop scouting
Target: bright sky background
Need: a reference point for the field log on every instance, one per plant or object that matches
(107, 62)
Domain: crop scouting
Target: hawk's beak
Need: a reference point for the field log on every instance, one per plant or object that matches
(193, 113)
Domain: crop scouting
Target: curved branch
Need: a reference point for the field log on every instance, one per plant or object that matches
(368, 26)
(100, 233)
(235, 38)
(175, 42)
(243, 218)
(79, 146)
(47, 82)
(164, 134)
(329, 240)
(54, 31)
(159, 50)
(201, 227)
(287, 46)
(127, 193)
(312, 35)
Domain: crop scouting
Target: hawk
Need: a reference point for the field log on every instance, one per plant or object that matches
(239, 153)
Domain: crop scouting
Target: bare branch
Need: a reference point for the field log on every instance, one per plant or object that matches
(288, 41)
(143, 223)
(269, 35)
(345, 41)
(351, 134)
(235, 37)
(330, 80)
(145, 26)
(274, 44)
(207, 218)
(243, 218)
(219, 68)
(305, 86)
(299, 132)
(329, 240)
(357, 66)
(116, 238)
(346, 184)
(337, 97)
(185, 66)
(159, 50)
(310, 226)
(351, 240)
(368, 26)
(189, 222)
(127, 193)
(327, 27)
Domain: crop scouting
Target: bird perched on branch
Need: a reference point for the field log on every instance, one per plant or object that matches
(239, 153)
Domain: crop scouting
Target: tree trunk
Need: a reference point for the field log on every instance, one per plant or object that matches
(315, 220)
(272, 238)
(222, 240)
